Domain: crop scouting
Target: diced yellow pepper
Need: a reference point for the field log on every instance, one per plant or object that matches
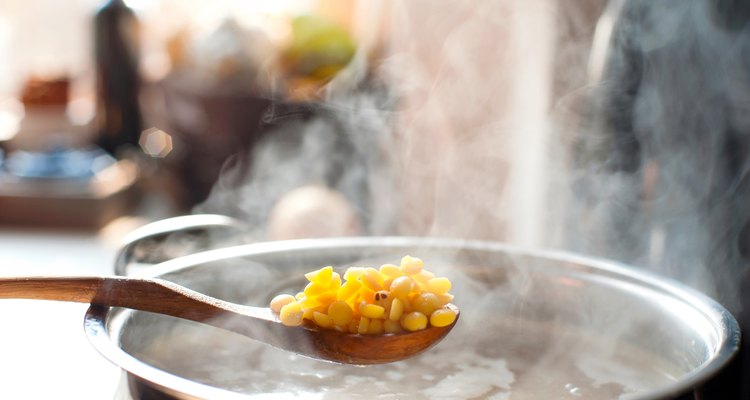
(321, 276)
(314, 289)
(353, 273)
(348, 290)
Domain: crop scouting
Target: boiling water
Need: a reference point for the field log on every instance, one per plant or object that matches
(524, 333)
(500, 361)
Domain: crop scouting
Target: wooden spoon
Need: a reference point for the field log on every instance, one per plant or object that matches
(164, 297)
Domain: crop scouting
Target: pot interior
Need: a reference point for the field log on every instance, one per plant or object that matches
(533, 326)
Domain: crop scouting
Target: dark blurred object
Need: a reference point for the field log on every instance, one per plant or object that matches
(214, 100)
(116, 52)
(44, 118)
(230, 85)
(71, 188)
(213, 122)
(45, 92)
(669, 137)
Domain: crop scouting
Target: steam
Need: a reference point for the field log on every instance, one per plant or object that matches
(491, 121)
(482, 121)
(450, 143)
(658, 167)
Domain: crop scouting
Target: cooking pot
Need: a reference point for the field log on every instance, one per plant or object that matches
(535, 324)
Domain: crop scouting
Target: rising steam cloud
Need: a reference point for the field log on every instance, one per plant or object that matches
(660, 163)
(483, 120)
(493, 120)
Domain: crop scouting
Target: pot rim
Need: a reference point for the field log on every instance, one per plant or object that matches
(97, 326)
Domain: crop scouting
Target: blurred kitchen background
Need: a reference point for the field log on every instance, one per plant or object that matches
(543, 123)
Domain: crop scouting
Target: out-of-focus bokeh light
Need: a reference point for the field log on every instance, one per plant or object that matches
(155, 142)
(81, 111)
(11, 114)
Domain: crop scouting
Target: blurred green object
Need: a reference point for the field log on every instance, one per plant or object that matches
(319, 48)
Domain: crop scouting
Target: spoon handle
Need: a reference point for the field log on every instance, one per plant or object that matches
(164, 297)
(153, 295)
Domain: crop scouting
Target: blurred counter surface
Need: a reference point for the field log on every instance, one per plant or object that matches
(44, 350)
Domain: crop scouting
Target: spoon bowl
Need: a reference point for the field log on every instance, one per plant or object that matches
(259, 323)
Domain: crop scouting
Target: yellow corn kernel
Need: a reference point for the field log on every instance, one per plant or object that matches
(372, 279)
(280, 301)
(390, 326)
(324, 276)
(364, 325)
(375, 327)
(444, 298)
(307, 313)
(340, 312)
(372, 311)
(335, 282)
(387, 283)
(410, 300)
(439, 285)
(310, 276)
(421, 278)
(326, 299)
(314, 289)
(396, 311)
(291, 314)
(391, 270)
(411, 265)
(369, 300)
(366, 295)
(353, 273)
(321, 276)
(354, 306)
(322, 320)
(442, 317)
(401, 287)
(426, 274)
(414, 321)
(309, 302)
(425, 303)
(348, 290)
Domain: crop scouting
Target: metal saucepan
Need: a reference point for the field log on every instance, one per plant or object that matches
(535, 325)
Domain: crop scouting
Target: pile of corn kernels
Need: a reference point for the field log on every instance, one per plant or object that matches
(392, 299)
